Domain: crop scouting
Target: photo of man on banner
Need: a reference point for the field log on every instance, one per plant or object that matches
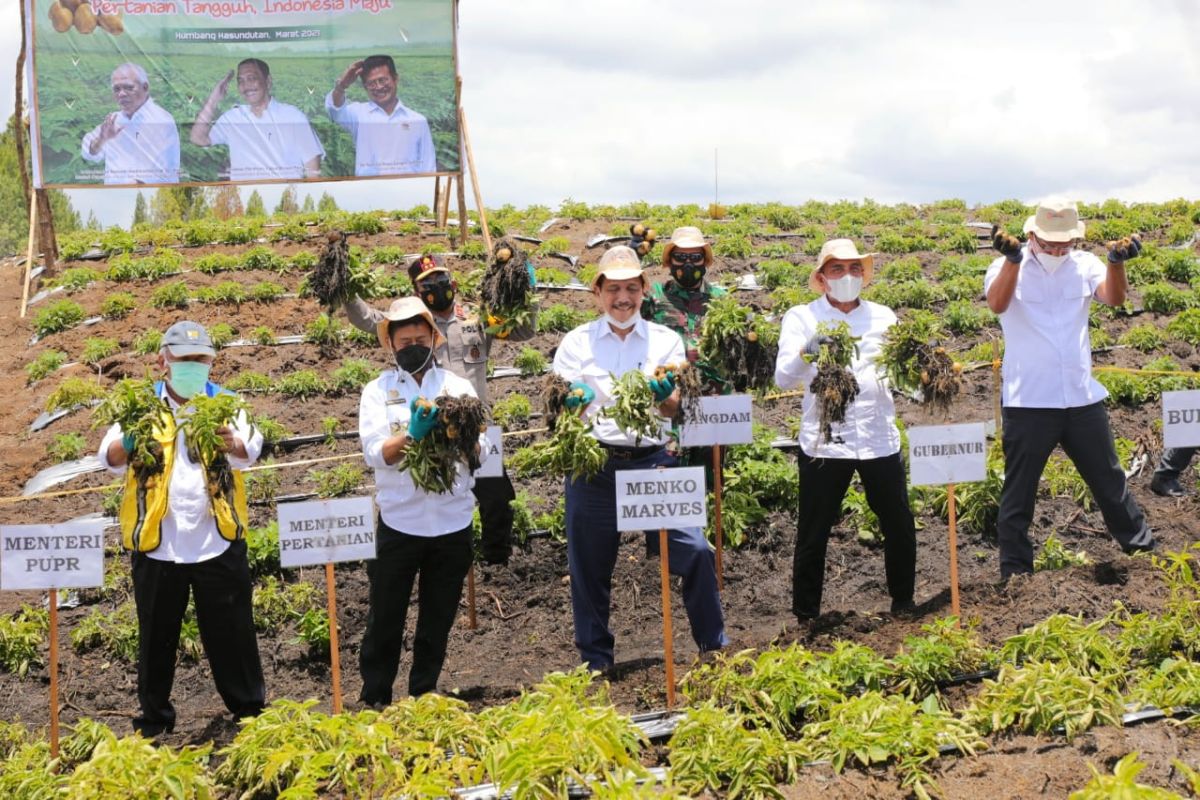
(138, 143)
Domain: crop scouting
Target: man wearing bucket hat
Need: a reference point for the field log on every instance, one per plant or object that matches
(681, 301)
(588, 358)
(1042, 292)
(183, 540)
(866, 442)
(420, 536)
(464, 347)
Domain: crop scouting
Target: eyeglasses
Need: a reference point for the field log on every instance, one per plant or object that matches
(378, 83)
(684, 259)
(127, 88)
(1053, 248)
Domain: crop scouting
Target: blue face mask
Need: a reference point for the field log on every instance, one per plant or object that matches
(189, 377)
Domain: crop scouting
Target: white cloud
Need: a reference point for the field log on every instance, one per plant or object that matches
(620, 100)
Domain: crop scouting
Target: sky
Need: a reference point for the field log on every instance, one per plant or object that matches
(684, 101)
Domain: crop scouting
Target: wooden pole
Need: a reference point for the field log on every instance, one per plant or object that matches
(996, 386)
(954, 609)
(437, 196)
(444, 209)
(335, 659)
(54, 673)
(29, 255)
(471, 621)
(668, 640)
(463, 222)
(470, 156)
(717, 477)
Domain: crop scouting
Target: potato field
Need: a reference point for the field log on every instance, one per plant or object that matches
(1081, 678)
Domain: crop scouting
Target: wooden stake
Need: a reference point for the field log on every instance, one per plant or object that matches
(54, 673)
(437, 196)
(997, 386)
(470, 156)
(668, 640)
(29, 255)
(463, 222)
(335, 658)
(717, 477)
(471, 622)
(953, 554)
(443, 215)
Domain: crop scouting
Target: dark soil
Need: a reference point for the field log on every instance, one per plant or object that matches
(523, 610)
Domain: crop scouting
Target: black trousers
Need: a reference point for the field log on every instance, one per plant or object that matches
(1030, 434)
(441, 563)
(823, 485)
(222, 590)
(1174, 461)
(496, 517)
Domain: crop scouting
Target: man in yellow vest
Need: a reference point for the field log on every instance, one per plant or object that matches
(184, 540)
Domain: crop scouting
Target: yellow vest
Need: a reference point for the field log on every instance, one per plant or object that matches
(144, 505)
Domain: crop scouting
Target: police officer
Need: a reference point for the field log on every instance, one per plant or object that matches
(463, 349)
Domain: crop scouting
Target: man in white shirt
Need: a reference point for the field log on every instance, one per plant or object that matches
(589, 357)
(1042, 293)
(420, 535)
(139, 143)
(267, 139)
(187, 548)
(389, 139)
(866, 442)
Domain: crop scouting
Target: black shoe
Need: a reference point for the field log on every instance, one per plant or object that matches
(1166, 486)
(903, 607)
(1141, 548)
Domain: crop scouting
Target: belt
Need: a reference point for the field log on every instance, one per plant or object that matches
(619, 453)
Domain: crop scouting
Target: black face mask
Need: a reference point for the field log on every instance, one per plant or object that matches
(438, 296)
(689, 277)
(412, 359)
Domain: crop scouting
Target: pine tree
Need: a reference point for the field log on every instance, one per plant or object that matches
(309, 206)
(327, 203)
(14, 212)
(288, 201)
(141, 212)
(255, 206)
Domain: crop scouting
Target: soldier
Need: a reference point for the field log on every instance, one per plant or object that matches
(681, 301)
(463, 349)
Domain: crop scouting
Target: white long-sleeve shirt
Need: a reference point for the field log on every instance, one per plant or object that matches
(276, 145)
(1047, 346)
(146, 150)
(189, 530)
(385, 144)
(869, 430)
(384, 412)
(594, 354)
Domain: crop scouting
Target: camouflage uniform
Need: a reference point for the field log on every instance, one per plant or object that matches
(682, 311)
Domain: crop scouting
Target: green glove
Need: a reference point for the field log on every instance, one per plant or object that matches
(663, 387)
(422, 420)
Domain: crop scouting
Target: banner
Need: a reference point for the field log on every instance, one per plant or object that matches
(165, 92)
(494, 466)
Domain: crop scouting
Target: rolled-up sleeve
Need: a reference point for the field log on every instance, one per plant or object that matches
(791, 369)
(342, 114)
(113, 434)
(373, 427)
(86, 146)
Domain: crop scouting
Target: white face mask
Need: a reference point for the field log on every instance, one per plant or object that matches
(1051, 263)
(623, 326)
(844, 289)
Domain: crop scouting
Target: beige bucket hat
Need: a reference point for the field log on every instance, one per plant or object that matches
(619, 263)
(402, 309)
(686, 236)
(841, 249)
(1056, 220)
